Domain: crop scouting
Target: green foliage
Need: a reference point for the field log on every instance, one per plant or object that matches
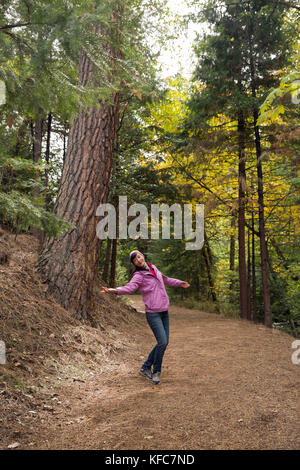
(276, 103)
(290, 84)
(289, 311)
(21, 212)
(18, 207)
(40, 59)
(240, 34)
(41, 44)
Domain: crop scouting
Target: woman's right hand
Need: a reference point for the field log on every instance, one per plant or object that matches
(107, 289)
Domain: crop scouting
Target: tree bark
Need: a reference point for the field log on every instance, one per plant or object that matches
(66, 130)
(232, 257)
(107, 259)
(21, 136)
(69, 263)
(47, 158)
(113, 262)
(241, 223)
(205, 252)
(262, 234)
(260, 190)
(232, 246)
(37, 155)
(248, 279)
(37, 147)
(254, 314)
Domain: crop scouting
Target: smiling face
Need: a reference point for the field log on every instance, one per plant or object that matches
(139, 260)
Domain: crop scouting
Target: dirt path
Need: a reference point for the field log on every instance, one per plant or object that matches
(226, 384)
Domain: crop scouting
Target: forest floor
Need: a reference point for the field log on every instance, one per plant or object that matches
(226, 384)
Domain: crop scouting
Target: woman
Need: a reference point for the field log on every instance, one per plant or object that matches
(151, 283)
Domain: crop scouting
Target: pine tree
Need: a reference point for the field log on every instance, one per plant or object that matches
(69, 264)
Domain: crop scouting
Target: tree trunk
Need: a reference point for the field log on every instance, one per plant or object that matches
(280, 254)
(241, 224)
(208, 250)
(37, 142)
(254, 315)
(249, 280)
(232, 245)
(21, 136)
(232, 257)
(197, 282)
(107, 260)
(262, 235)
(66, 130)
(209, 274)
(47, 158)
(37, 155)
(37, 148)
(113, 260)
(112, 279)
(69, 263)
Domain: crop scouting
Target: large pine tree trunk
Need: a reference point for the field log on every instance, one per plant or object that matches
(241, 223)
(69, 263)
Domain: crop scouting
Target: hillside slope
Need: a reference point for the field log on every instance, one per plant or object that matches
(42, 339)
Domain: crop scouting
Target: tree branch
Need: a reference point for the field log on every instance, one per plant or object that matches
(19, 25)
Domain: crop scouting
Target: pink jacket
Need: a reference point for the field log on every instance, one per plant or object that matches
(152, 288)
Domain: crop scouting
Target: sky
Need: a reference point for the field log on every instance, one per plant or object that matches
(179, 56)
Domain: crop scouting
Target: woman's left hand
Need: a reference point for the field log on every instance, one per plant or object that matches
(185, 284)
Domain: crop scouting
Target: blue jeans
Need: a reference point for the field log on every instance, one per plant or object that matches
(159, 324)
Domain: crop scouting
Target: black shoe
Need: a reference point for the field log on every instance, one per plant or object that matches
(156, 378)
(146, 373)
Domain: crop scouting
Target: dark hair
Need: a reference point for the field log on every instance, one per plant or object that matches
(136, 268)
(133, 256)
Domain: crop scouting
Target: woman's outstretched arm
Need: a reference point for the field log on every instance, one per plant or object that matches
(172, 282)
(129, 288)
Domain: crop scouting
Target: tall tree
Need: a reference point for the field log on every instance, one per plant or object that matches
(235, 64)
(267, 45)
(69, 264)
